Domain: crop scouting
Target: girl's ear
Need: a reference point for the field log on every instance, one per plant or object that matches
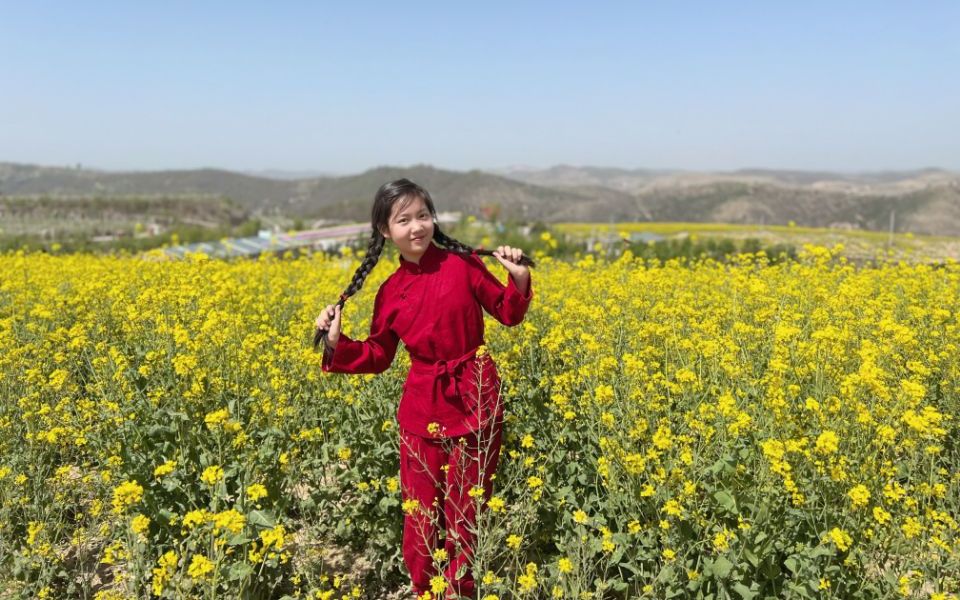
(385, 232)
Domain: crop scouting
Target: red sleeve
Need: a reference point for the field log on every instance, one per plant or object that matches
(505, 303)
(373, 355)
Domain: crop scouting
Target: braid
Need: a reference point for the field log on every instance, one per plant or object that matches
(374, 250)
(449, 243)
(460, 248)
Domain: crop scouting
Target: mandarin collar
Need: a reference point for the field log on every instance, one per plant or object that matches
(431, 256)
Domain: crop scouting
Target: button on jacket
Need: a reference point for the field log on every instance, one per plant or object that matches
(436, 309)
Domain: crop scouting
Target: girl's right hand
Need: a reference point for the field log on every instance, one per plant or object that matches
(329, 320)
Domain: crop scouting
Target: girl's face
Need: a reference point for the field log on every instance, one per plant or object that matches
(411, 229)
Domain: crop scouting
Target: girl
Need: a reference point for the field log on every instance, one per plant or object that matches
(450, 413)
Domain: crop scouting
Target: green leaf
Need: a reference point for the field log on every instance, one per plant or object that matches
(745, 592)
(725, 500)
(239, 570)
(821, 551)
(239, 539)
(793, 564)
(261, 518)
(387, 502)
(722, 567)
(770, 569)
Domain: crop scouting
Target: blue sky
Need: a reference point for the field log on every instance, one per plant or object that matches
(845, 86)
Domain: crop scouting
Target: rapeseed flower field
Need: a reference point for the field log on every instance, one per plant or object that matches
(674, 430)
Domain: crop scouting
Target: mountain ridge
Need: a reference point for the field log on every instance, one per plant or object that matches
(925, 201)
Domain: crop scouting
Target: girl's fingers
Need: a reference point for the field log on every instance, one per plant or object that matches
(327, 316)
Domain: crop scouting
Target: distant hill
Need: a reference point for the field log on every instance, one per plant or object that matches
(925, 201)
(347, 197)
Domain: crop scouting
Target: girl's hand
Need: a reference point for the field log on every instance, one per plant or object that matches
(329, 319)
(510, 259)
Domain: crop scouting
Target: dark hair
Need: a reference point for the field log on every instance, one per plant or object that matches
(403, 191)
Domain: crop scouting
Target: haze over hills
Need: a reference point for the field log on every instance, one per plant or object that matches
(925, 201)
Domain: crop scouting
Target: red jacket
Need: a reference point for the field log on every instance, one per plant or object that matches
(435, 308)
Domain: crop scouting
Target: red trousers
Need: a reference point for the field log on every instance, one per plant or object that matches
(439, 473)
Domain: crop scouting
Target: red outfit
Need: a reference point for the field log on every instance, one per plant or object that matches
(435, 307)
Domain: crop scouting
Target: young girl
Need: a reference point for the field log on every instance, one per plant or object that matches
(450, 414)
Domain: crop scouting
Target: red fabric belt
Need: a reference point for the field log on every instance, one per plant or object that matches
(447, 374)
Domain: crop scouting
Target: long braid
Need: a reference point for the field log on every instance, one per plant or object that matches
(449, 243)
(460, 248)
(374, 250)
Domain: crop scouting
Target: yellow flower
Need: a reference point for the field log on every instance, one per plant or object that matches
(411, 506)
(564, 565)
(528, 581)
(200, 567)
(139, 524)
(256, 492)
(165, 569)
(217, 417)
(663, 438)
(669, 554)
(840, 538)
(212, 475)
(126, 494)
(165, 469)
(673, 508)
(194, 518)
(438, 584)
(911, 527)
(580, 517)
(827, 443)
(230, 520)
(514, 541)
(721, 541)
(881, 516)
(859, 496)
(496, 504)
(440, 555)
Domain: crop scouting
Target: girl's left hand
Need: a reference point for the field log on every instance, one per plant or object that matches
(510, 259)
